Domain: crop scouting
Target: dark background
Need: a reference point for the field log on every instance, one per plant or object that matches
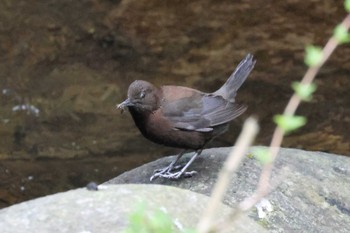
(67, 63)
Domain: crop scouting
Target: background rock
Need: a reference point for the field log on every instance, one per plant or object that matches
(311, 194)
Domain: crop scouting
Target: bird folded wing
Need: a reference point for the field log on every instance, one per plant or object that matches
(200, 112)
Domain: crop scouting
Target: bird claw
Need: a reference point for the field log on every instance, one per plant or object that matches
(189, 174)
(172, 176)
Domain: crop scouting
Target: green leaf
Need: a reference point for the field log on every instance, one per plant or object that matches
(313, 56)
(341, 34)
(144, 220)
(137, 219)
(160, 222)
(289, 123)
(262, 155)
(304, 91)
(347, 5)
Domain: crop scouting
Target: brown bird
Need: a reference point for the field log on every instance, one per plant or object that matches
(185, 118)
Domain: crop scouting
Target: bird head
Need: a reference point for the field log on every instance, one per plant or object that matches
(142, 96)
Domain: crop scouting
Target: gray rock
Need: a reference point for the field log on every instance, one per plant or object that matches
(108, 210)
(311, 194)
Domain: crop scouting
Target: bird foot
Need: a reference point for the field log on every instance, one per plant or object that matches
(172, 175)
(168, 169)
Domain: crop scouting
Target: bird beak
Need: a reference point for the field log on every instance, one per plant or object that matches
(124, 104)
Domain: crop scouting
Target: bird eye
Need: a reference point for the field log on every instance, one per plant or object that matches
(142, 95)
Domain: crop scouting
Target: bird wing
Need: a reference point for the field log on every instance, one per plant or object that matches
(189, 109)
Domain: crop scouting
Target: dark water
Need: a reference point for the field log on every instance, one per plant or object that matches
(66, 64)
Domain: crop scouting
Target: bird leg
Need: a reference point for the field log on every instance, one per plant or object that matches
(171, 166)
(166, 172)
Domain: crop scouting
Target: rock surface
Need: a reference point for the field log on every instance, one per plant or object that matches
(312, 191)
(107, 210)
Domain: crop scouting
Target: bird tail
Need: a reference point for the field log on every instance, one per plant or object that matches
(237, 78)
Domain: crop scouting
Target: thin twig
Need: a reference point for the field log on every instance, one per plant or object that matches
(264, 182)
(249, 131)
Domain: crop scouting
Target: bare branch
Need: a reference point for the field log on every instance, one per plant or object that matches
(264, 182)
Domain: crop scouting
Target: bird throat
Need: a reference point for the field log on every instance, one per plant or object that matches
(140, 118)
